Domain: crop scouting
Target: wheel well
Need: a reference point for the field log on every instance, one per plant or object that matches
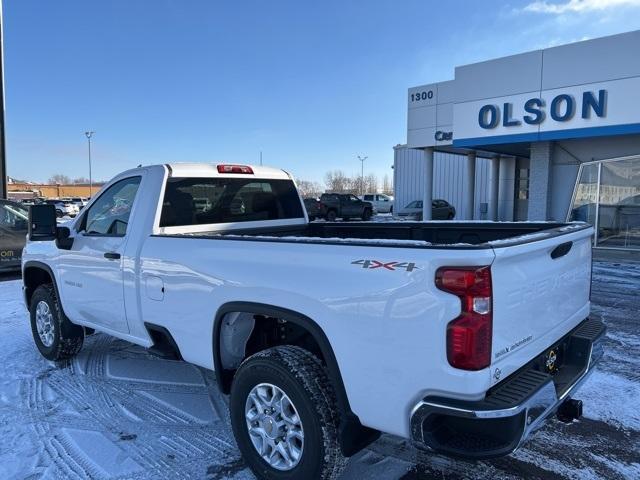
(32, 278)
(242, 329)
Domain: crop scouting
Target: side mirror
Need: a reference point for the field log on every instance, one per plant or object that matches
(43, 227)
(42, 223)
(64, 241)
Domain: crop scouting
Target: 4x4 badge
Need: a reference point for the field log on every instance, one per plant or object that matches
(373, 264)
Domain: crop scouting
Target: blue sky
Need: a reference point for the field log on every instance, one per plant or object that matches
(311, 84)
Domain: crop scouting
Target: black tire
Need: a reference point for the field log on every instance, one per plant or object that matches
(67, 337)
(301, 375)
(366, 215)
(59, 214)
(451, 216)
(391, 209)
(332, 215)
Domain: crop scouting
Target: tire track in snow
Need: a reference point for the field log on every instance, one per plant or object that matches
(115, 407)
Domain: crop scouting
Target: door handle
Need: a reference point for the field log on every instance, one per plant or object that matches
(112, 255)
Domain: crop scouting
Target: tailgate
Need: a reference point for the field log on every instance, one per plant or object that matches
(540, 292)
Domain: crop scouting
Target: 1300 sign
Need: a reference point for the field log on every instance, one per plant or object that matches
(417, 96)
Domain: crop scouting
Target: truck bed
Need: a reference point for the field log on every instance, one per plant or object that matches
(403, 234)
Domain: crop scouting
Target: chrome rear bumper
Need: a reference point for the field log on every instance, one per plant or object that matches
(514, 408)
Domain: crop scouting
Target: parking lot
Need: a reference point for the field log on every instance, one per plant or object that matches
(117, 412)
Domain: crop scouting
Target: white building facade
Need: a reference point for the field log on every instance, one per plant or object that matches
(552, 134)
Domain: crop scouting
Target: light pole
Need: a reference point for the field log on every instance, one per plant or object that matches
(3, 160)
(362, 159)
(88, 135)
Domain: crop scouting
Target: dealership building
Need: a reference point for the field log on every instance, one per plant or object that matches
(552, 134)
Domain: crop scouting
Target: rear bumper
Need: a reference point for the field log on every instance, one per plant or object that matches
(512, 409)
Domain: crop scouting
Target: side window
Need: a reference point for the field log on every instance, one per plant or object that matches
(109, 215)
(353, 198)
(13, 217)
(368, 198)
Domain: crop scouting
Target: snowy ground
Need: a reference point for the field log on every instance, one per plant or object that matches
(116, 412)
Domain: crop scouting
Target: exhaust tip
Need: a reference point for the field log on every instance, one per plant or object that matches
(569, 410)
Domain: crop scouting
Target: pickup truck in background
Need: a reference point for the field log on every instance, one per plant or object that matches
(381, 203)
(461, 336)
(345, 206)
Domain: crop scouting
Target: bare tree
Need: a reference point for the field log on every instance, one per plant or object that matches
(59, 179)
(81, 181)
(371, 183)
(309, 189)
(387, 186)
(336, 181)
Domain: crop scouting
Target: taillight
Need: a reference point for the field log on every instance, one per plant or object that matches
(235, 169)
(469, 336)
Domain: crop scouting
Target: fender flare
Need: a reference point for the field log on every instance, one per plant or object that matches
(46, 268)
(353, 435)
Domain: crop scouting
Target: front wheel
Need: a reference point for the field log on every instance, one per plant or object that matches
(54, 334)
(284, 416)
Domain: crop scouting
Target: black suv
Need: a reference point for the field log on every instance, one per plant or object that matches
(345, 206)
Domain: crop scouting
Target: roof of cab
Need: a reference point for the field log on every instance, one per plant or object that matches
(211, 170)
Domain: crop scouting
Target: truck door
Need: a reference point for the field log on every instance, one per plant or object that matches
(353, 207)
(13, 234)
(91, 273)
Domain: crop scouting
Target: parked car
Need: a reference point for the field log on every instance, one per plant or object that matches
(462, 337)
(345, 206)
(14, 220)
(381, 203)
(440, 210)
(32, 201)
(80, 202)
(313, 207)
(64, 208)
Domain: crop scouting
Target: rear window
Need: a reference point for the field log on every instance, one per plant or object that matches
(201, 201)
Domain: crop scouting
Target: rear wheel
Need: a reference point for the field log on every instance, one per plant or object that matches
(366, 215)
(450, 216)
(284, 416)
(54, 335)
(332, 215)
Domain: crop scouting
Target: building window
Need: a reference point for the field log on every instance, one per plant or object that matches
(607, 195)
(522, 184)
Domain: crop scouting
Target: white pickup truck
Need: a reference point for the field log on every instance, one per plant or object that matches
(461, 336)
